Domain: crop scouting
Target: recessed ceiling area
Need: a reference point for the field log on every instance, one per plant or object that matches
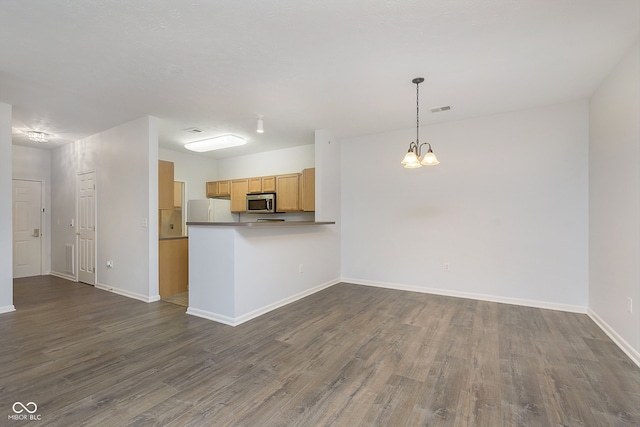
(75, 68)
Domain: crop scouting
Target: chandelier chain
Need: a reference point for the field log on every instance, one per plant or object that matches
(417, 112)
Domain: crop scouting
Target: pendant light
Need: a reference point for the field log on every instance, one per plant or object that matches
(260, 126)
(412, 159)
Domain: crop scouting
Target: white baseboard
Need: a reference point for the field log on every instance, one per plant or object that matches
(63, 276)
(283, 302)
(7, 309)
(231, 321)
(620, 342)
(212, 316)
(469, 295)
(127, 293)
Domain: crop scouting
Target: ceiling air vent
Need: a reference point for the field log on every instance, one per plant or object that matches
(439, 109)
(194, 130)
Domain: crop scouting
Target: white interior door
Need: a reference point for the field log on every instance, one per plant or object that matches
(27, 228)
(86, 227)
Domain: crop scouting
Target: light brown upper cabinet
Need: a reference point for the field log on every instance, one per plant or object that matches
(239, 190)
(308, 190)
(287, 197)
(255, 185)
(268, 184)
(262, 184)
(224, 188)
(212, 188)
(165, 184)
(177, 195)
(218, 189)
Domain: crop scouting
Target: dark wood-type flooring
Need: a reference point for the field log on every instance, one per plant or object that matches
(347, 356)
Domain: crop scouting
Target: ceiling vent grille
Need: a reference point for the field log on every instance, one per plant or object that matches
(194, 130)
(440, 109)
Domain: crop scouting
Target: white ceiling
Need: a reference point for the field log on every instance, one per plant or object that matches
(76, 67)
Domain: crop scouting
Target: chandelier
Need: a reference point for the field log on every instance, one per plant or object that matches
(413, 158)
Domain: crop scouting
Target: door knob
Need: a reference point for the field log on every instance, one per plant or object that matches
(36, 232)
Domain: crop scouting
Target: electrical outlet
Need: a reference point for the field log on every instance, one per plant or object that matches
(629, 305)
(446, 266)
(300, 268)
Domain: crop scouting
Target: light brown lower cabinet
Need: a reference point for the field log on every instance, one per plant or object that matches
(173, 263)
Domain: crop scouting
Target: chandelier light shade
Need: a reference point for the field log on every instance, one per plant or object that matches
(413, 159)
(38, 136)
(260, 126)
(217, 143)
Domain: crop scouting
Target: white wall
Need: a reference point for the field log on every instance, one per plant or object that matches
(223, 288)
(125, 161)
(614, 201)
(34, 164)
(328, 176)
(194, 170)
(328, 194)
(506, 209)
(6, 228)
(287, 160)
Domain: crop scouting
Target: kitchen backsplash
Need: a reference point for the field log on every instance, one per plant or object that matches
(289, 216)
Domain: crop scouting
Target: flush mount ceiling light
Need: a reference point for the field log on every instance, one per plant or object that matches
(260, 126)
(217, 143)
(412, 159)
(38, 136)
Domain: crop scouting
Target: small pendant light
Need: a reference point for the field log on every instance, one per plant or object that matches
(260, 126)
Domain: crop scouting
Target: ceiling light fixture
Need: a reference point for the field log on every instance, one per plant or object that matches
(217, 143)
(260, 127)
(412, 158)
(38, 136)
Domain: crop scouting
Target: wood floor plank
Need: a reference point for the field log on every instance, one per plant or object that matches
(346, 356)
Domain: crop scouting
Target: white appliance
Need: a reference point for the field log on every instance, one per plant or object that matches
(209, 210)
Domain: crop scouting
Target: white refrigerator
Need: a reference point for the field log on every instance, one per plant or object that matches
(209, 210)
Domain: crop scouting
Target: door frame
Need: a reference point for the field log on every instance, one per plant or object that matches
(43, 230)
(77, 225)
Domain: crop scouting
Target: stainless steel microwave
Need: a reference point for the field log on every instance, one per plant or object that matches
(261, 203)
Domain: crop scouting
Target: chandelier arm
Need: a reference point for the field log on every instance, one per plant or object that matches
(420, 147)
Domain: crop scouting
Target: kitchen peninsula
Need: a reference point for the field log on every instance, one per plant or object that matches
(241, 270)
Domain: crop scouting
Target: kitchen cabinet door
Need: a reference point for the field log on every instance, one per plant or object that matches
(218, 188)
(224, 188)
(212, 189)
(268, 184)
(287, 198)
(173, 262)
(177, 195)
(165, 185)
(255, 185)
(308, 190)
(239, 190)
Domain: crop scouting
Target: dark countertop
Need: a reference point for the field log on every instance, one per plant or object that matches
(262, 224)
